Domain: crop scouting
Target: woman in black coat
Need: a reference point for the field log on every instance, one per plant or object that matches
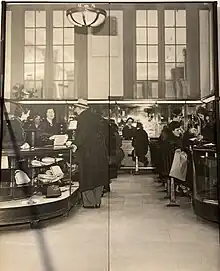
(140, 143)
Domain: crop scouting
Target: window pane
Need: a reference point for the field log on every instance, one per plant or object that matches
(180, 18)
(152, 36)
(180, 53)
(40, 19)
(141, 53)
(58, 71)
(68, 90)
(153, 54)
(141, 71)
(39, 89)
(41, 36)
(40, 53)
(66, 21)
(28, 71)
(152, 71)
(58, 53)
(58, 85)
(154, 86)
(139, 93)
(39, 71)
(58, 36)
(168, 68)
(29, 85)
(68, 35)
(69, 53)
(69, 71)
(152, 18)
(170, 36)
(170, 90)
(29, 53)
(58, 18)
(141, 18)
(29, 36)
(141, 35)
(169, 17)
(29, 19)
(181, 35)
(170, 54)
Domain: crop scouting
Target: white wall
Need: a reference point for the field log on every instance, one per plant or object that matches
(105, 63)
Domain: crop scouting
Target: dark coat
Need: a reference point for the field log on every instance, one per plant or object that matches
(128, 133)
(13, 133)
(140, 142)
(91, 153)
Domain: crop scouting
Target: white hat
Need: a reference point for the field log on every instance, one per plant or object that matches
(82, 103)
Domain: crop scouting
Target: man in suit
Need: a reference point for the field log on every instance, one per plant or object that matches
(91, 154)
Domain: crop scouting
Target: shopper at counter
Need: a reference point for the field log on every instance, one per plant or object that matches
(140, 143)
(91, 154)
(128, 130)
(14, 134)
(207, 127)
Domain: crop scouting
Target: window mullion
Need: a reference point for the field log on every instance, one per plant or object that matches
(49, 69)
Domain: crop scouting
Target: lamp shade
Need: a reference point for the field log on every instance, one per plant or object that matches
(86, 15)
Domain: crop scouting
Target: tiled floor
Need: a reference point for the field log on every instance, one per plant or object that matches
(133, 231)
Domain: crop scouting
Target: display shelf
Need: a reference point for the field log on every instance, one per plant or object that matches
(40, 208)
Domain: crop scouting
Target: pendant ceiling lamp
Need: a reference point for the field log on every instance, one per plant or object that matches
(86, 15)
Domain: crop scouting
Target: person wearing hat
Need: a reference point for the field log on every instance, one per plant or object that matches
(91, 154)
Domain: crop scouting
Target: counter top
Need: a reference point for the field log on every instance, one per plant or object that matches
(36, 151)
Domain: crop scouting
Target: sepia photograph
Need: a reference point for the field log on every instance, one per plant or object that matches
(110, 136)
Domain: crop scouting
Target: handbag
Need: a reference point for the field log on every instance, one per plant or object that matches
(179, 166)
(53, 191)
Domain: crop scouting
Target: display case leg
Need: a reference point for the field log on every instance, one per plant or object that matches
(167, 189)
(35, 224)
(173, 202)
(136, 166)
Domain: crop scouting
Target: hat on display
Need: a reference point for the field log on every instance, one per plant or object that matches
(82, 103)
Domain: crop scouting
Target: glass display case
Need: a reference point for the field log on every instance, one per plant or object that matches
(37, 183)
(205, 198)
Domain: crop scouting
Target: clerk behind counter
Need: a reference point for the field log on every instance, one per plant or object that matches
(48, 128)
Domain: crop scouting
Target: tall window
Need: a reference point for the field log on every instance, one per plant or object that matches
(63, 56)
(34, 52)
(146, 54)
(175, 50)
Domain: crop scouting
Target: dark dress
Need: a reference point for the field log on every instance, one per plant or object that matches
(45, 131)
(140, 143)
(91, 151)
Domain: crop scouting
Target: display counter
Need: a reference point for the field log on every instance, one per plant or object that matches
(128, 162)
(205, 187)
(28, 197)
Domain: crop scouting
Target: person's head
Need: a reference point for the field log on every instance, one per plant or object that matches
(37, 120)
(50, 114)
(22, 113)
(129, 121)
(81, 106)
(139, 126)
(177, 115)
(202, 113)
(175, 128)
(193, 129)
